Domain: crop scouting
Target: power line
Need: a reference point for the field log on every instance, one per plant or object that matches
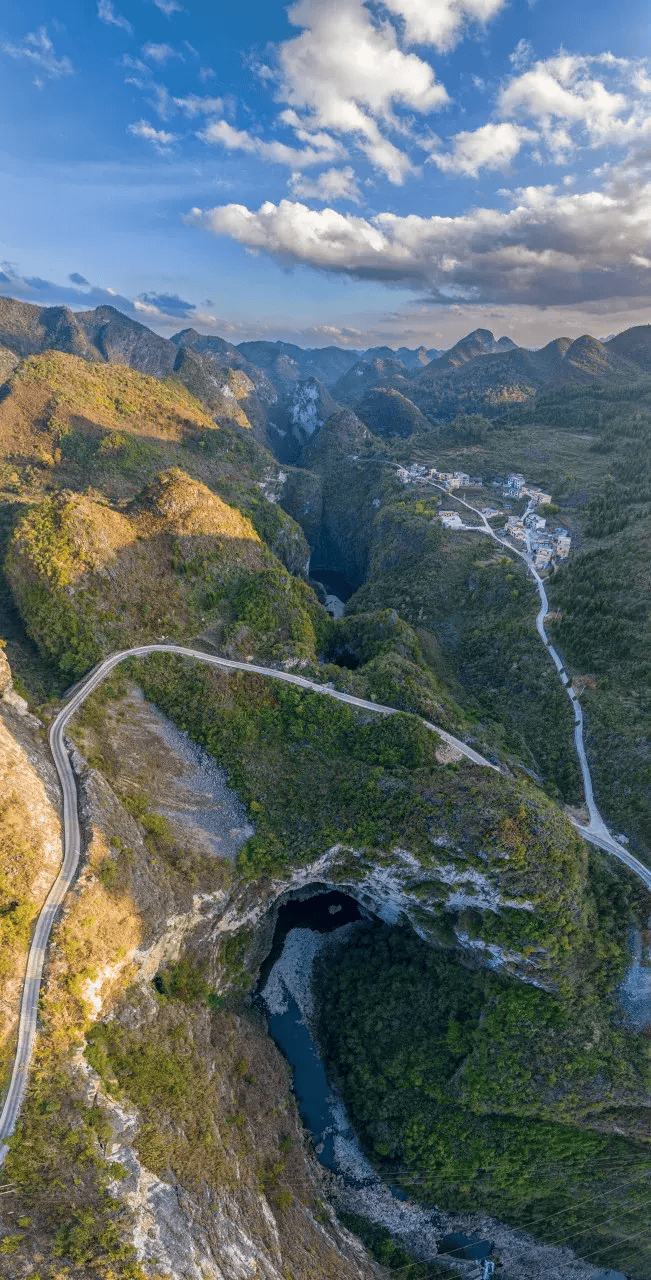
(566, 1239)
(595, 1225)
(616, 1244)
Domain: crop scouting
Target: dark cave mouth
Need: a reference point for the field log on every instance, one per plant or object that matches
(314, 907)
(334, 582)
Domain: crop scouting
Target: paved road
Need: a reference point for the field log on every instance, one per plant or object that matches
(596, 831)
(72, 837)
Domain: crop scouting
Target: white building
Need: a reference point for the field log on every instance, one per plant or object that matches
(535, 523)
(515, 485)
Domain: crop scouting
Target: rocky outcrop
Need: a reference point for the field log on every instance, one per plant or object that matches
(296, 420)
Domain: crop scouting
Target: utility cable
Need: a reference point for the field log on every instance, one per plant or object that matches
(616, 1244)
(568, 1239)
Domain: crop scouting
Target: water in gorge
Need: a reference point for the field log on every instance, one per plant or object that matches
(338, 589)
(304, 928)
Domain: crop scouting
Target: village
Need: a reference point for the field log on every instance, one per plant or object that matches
(546, 542)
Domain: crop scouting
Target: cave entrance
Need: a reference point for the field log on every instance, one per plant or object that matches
(335, 583)
(315, 907)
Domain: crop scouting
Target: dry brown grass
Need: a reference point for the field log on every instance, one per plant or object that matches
(91, 953)
(30, 854)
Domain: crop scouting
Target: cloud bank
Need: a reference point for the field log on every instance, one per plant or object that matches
(549, 247)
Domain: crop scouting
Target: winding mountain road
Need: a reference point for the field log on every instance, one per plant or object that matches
(72, 836)
(596, 832)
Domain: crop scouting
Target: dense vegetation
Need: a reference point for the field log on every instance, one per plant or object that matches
(603, 594)
(315, 775)
(481, 607)
(476, 1093)
(469, 1089)
(82, 575)
(106, 432)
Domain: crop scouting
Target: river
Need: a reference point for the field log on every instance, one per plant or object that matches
(304, 929)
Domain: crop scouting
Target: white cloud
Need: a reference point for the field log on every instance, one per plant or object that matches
(160, 139)
(493, 146)
(106, 13)
(160, 53)
(193, 105)
(442, 22)
(320, 148)
(547, 248)
(347, 74)
(595, 101)
(351, 71)
(168, 7)
(522, 55)
(333, 184)
(38, 51)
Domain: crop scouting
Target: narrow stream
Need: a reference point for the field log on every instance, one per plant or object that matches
(304, 928)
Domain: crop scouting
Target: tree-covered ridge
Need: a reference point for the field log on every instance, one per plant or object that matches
(316, 775)
(89, 578)
(603, 595)
(480, 608)
(472, 1092)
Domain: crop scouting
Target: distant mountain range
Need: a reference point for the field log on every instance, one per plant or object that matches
(285, 392)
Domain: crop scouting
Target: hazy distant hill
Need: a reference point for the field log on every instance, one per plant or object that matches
(485, 382)
(102, 334)
(480, 342)
(366, 374)
(256, 382)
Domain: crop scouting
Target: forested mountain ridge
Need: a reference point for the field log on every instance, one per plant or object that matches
(480, 373)
(131, 508)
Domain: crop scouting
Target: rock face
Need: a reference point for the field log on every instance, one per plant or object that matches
(335, 524)
(5, 674)
(479, 373)
(296, 420)
(250, 1198)
(224, 379)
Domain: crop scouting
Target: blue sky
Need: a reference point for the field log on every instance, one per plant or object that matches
(331, 170)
